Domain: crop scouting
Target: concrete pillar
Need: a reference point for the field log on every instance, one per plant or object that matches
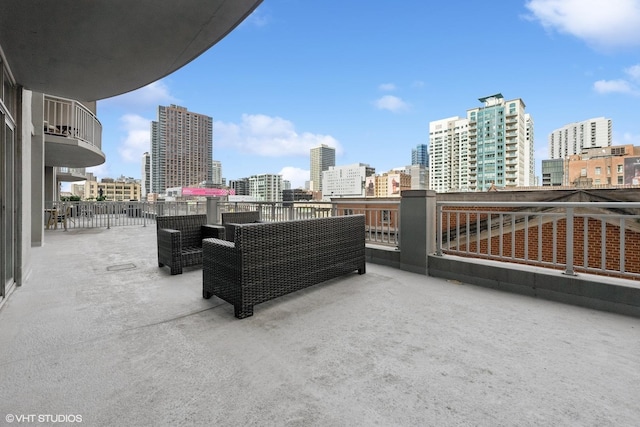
(50, 190)
(213, 213)
(417, 229)
(37, 192)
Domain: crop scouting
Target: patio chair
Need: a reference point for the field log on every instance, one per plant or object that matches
(180, 240)
(229, 219)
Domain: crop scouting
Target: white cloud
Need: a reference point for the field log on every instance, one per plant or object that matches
(149, 96)
(391, 103)
(137, 139)
(602, 24)
(101, 171)
(387, 87)
(614, 86)
(268, 136)
(633, 72)
(258, 18)
(296, 176)
(629, 138)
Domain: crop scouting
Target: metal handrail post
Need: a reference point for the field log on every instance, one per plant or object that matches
(569, 243)
(439, 230)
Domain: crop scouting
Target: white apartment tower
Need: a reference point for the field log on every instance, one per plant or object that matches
(530, 153)
(575, 137)
(216, 175)
(266, 187)
(449, 154)
(322, 157)
(345, 181)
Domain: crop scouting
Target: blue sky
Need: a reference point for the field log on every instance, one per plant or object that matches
(367, 77)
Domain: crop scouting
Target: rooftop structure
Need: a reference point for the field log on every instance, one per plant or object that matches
(124, 342)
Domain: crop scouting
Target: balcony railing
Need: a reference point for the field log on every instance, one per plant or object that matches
(591, 237)
(382, 221)
(69, 118)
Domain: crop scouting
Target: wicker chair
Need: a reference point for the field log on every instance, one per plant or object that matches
(230, 219)
(267, 260)
(180, 240)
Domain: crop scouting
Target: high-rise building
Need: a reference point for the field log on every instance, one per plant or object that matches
(576, 137)
(500, 144)
(419, 176)
(241, 186)
(216, 174)
(181, 148)
(322, 157)
(449, 155)
(146, 175)
(266, 187)
(420, 155)
(492, 146)
(553, 172)
(345, 181)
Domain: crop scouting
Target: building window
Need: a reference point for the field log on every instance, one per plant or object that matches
(348, 212)
(598, 171)
(386, 215)
(619, 168)
(620, 179)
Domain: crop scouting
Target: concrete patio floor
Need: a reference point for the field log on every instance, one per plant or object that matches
(100, 331)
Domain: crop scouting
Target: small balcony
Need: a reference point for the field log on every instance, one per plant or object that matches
(72, 134)
(65, 174)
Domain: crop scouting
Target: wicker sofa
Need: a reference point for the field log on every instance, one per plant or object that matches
(267, 260)
(180, 240)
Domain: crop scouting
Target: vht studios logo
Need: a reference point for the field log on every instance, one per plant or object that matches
(43, 418)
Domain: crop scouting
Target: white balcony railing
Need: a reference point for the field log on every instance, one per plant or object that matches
(69, 118)
(591, 237)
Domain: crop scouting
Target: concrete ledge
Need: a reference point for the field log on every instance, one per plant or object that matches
(383, 255)
(585, 290)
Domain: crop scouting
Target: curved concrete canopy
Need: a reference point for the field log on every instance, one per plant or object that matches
(71, 152)
(101, 48)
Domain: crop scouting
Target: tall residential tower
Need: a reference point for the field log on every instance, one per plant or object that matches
(449, 154)
(500, 144)
(181, 148)
(493, 145)
(420, 155)
(575, 137)
(322, 157)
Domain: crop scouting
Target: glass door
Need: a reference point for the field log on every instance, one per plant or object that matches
(7, 206)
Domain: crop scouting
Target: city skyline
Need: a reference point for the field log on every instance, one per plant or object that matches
(281, 84)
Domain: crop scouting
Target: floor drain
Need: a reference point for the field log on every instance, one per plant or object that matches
(121, 267)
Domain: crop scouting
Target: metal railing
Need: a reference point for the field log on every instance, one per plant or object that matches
(591, 237)
(69, 118)
(87, 214)
(381, 223)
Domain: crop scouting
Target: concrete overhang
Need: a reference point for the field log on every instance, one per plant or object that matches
(103, 48)
(71, 152)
